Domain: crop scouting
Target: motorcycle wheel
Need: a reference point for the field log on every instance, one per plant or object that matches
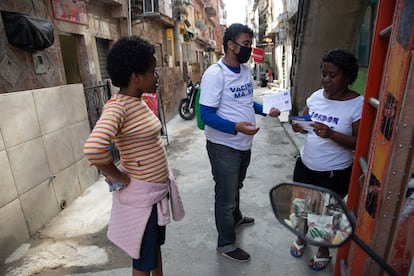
(186, 112)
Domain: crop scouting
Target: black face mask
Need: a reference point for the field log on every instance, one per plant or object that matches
(244, 54)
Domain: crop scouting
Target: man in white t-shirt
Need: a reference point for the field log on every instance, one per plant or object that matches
(228, 110)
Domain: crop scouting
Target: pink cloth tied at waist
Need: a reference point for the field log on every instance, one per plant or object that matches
(132, 206)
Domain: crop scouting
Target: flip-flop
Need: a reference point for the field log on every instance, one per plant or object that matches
(299, 252)
(316, 259)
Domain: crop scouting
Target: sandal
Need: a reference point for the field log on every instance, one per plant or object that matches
(297, 250)
(319, 263)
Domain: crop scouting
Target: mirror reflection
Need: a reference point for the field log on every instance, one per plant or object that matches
(312, 213)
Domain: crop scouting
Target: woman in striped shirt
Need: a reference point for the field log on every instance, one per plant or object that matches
(128, 121)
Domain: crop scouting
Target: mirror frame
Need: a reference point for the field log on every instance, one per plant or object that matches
(341, 202)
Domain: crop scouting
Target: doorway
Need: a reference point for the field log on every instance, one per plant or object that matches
(70, 58)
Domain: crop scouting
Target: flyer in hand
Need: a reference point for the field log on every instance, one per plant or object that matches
(280, 100)
(305, 121)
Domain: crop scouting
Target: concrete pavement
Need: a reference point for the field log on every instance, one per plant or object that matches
(75, 242)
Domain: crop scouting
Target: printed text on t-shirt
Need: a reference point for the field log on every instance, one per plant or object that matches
(324, 118)
(242, 90)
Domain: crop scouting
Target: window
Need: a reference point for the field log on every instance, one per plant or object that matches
(102, 47)
(189, 54)
(151, 6)
(158, 54)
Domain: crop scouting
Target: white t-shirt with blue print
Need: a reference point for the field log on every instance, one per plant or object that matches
(232, 94)
(323, 154)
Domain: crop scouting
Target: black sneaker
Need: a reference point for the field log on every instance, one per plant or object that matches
(238, 255)
(245, 221)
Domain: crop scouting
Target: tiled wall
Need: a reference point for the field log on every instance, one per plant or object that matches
(41, 160)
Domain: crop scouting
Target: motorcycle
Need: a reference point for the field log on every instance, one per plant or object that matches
(186, 108)
(318, 216)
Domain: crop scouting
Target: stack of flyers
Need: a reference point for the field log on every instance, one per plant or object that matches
(304, 121)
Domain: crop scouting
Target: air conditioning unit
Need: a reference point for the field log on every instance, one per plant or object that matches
(212, 43)
(201, 24)
(209, 9)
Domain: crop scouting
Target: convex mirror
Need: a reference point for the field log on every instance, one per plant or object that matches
(315, 214)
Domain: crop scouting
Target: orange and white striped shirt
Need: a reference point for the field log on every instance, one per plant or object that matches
(136, 132)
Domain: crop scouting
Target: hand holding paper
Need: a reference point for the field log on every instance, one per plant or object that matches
(280, 100)
(304, 121)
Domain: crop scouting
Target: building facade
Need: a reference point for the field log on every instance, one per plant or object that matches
(42, 93)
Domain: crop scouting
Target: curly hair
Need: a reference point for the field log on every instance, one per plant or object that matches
(130, 54)
(345, 60)
(233, 31)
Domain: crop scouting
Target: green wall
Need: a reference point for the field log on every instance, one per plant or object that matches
(361, 81)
